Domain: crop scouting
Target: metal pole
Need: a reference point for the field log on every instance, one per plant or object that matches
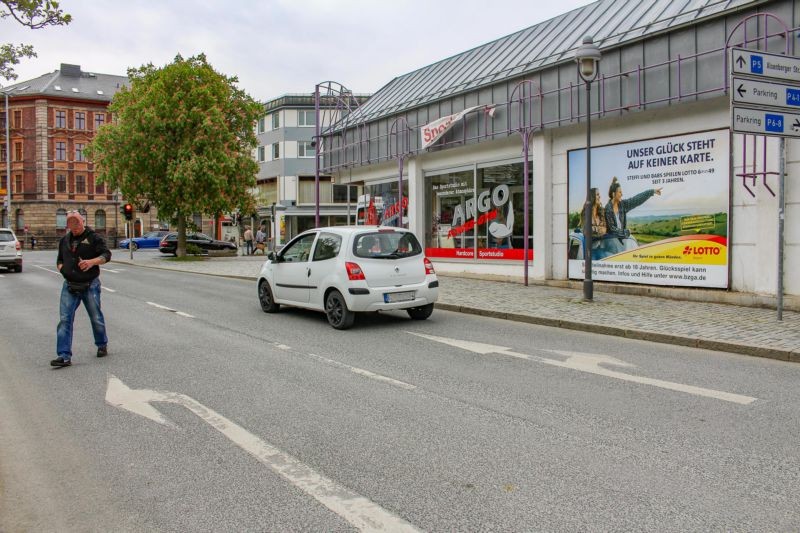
(588, 286)
(781, 215)
(8, 163)
(130, 238)
(400, 193)
(526, 208)
(316, 158)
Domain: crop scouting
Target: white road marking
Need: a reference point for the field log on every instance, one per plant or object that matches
(181, 313)
(365, 373)
(107, 289)
(586, 362)
(356, 509)
(2, 275)
(110, 270)
(165, 308)
(53, 271)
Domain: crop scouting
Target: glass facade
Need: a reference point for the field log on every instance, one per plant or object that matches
(477, 214)
(382, 205)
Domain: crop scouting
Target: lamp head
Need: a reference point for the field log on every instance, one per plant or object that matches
(587, 56)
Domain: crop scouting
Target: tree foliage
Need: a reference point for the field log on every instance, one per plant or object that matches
(34, 14)
(182, 139)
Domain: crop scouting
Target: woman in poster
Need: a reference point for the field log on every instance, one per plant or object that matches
(618, 237)
(599, 228)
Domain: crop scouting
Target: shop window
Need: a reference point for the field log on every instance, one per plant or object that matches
(80, 120)
(61, 151)
(450, 230)
(100, 220)
(381, 204)
(80, 184)
(503, 228)
(61, 183)
(61, 219)
(61, 119)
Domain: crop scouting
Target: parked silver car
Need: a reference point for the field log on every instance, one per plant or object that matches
(10, 250)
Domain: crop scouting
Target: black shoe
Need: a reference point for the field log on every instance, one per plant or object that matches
(102, 351)
(60, 362)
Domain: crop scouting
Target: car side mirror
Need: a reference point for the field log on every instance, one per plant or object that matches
(272, 257)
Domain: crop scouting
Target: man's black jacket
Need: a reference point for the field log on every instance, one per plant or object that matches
(71, 249)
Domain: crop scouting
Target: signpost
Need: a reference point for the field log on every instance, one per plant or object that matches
(765, 100)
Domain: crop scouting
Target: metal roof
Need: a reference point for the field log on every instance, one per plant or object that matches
(70, 82)
(610, 22)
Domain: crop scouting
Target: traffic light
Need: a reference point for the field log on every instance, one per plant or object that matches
(127, 210)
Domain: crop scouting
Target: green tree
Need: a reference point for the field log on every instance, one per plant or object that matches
(182, 139)
(34, 14)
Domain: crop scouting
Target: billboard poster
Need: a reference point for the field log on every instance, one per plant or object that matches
(660, 214)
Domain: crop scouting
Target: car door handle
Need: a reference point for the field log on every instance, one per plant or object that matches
(308, 273)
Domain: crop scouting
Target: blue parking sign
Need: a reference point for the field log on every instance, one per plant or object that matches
(774, 123)
(756, 64)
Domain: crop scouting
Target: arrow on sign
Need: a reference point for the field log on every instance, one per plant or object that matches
(741, 90)
(359, 511)
(741, 61)
(587, 362)
(796, 125)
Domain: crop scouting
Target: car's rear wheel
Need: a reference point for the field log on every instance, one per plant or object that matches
(18, 268)
(420, 313)
(339, 316)
(268, 304)
(134, 246)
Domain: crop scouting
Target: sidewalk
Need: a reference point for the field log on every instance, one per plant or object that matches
(712, 326)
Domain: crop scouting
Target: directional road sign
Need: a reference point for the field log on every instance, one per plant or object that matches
(765, 122)
(762, 64)
(765, 93)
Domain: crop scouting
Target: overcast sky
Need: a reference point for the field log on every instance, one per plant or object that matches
(276, 46)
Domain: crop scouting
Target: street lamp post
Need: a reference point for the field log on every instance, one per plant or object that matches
(588, 58)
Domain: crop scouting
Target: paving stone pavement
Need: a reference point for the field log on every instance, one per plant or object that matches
(714, 326)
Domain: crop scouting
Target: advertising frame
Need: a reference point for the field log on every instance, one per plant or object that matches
(685, 241)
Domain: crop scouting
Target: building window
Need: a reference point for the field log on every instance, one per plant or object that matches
(61, 119)
(79, 152)
(80, 184)
(276, 150)
(197, 220)
(340, 194)
(61, 219)
(100, 188)
(18, 184)
(100, 220)
(17, 119)
(20, 220)
(99, 120)
(262, 153)
(3, 152)
(80, 120)
(3, 121)
(304, 149)
(84, 214)
(17, 151)
(276, 120)
(306, 117)
(306, 190)
(61, 151)
(262, 125)
(61, 183)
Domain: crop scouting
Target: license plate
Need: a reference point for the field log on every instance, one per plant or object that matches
(393, 297)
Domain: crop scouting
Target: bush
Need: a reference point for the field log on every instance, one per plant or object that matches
(193, 249)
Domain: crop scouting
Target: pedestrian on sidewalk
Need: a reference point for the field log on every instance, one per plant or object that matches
(80, 253)
(248, 240)
(261, 241)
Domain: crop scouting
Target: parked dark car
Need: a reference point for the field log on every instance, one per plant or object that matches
(169, 244)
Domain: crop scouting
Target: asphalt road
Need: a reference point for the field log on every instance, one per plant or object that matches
(278, 422)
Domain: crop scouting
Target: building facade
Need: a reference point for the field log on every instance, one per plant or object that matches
(286, 181)
(699, 199)
(52, 120)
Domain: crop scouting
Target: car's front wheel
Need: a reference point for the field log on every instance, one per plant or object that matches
(134, 246)
(265, 298)
(420, 313)
(339, 316)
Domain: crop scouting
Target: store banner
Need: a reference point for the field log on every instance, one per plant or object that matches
(432, 132)
(662, 213)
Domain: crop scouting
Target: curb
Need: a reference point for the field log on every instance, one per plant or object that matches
(637, 334)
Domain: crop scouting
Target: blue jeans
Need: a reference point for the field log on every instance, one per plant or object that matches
(69, 303)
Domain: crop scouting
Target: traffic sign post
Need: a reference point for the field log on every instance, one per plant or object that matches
(765, 93)
(765, 65)
(765, 122)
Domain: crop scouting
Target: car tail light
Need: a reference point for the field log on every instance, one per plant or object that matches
(19, 246)
(354, 271)
(429, 267)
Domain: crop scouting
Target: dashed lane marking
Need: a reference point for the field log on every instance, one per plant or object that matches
(365, 373)
(171, 310)
(107, 289)
(43, 268)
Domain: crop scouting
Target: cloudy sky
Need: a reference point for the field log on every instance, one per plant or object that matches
(276, 46)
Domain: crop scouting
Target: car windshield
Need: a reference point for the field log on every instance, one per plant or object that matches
(5, 236)
(384, 244)
(152, 235)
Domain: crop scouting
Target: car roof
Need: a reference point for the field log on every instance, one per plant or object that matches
(350, 230)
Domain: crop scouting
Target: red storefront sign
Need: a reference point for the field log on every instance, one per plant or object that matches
(508, 254)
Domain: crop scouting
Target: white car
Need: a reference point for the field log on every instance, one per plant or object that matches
(343, 270)
(10, 250)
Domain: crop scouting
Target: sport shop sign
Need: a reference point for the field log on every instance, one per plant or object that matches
(432, 132)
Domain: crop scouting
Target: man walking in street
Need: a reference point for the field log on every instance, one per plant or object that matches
(80, 253)
(248, 240)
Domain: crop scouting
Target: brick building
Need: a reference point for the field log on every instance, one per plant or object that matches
(52, 120)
